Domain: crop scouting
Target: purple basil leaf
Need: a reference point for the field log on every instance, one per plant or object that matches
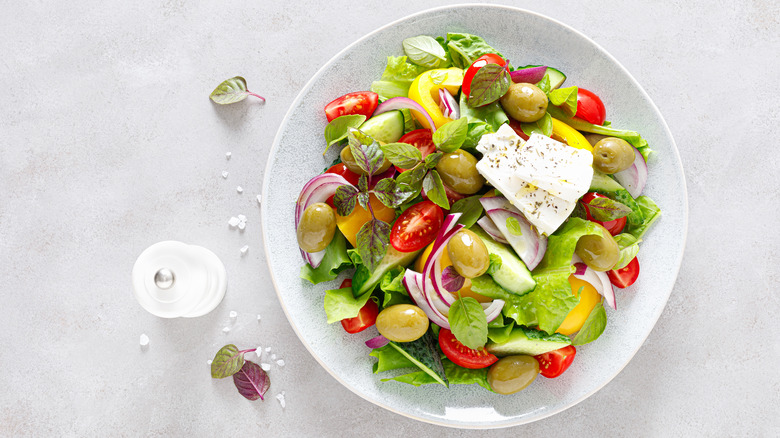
(226, 362)
(489, 84)
(344, 199)
(606, 209)
(413, 177)
(366, 151)
(392, 194)
(372, 241)
(451, 280)
(362, 199)
(252, 382)
(363, 183)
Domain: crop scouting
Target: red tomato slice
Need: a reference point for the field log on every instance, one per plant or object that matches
(360, 102)
(422, 139)
(452, 195)
(590, 107)
(625, 277)
(365, 318)
(614, 227)
(553, 363)
(462, 355)
(341, 169)
(416, 227)
(490, 58)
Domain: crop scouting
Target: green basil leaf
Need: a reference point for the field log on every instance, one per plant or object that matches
(434, 190)
(593, 326)
(338, 128)
(433, 159)
(362, 199)
(344, 199)
(402, 155)
(465, 48)
(629, 248)
(451, 135)
(470, 208)
(513, 226)
(489, 84)
(495, 264)
(425, 51)
(566, 97)
(544, 84)
(542, 126)
(468, 322)
(372, 241)
(412, 177)
(226, 362)
(231, 91)
(366, 151)
(606, 209)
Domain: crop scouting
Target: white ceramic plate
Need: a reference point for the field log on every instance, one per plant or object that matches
(296, 157)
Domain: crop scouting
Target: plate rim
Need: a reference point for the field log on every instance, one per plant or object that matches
(264, 213)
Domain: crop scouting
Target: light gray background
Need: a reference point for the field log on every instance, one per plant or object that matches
(109, 144)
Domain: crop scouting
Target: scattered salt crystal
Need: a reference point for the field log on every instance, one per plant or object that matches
(273, 357)
(226, 330)
(265, 366)
(242, 218)
(244, 249)
(240, 189)
(267, 349)
(258, 351)
(280, 362)
(144, 340)
(234, 221)
(224, 174)
(228, 155)
(208, 361)
(242, 226)
(259, 198)
(280, 397)
(258, 318)
(233, 314)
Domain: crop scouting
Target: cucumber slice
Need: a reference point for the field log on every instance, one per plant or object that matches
(364, 281)
(513, 275)
(528, 341)
(556, 77)
(422, 353)
(387, 127)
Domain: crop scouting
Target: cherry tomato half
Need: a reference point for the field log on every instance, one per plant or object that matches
(490, 58)
(553, 363)
(360, 102)
(614, 227)
(364, 319)
(416, 227)
(462, 355)
(590, 107)
(422, 139)
(625, 277)
(452, 195)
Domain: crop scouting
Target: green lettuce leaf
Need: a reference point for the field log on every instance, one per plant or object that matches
(465, 48)
(492, 114)
(593, 326)
(650, 213)
(341, 304)
(388, 358)
(455, 374)
(393, 288)
(397, 78)
(335, 261)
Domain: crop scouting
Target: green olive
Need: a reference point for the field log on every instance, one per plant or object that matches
(468, 254)
(525, 102)
(611, 155)
(600, 253)
(316, 228)
(402, 323)
(349, 160)
(512, 374)
(458, 170)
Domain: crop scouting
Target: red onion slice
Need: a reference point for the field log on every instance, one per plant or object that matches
(494, 309)
(449, 107)
(413, 283)
(530, 75)
(377, 342)
(635, 177)
(397, 103)
(318, 189)
(489, 227)
(530, 246)
(599, 280)
(448, 229)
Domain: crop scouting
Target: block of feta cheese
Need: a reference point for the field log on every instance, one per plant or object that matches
(542, 177)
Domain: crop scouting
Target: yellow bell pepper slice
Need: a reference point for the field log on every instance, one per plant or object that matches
(425, 91)
(350, 225)
(566, 134)
(589, 298)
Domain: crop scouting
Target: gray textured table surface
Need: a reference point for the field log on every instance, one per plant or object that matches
(109, 144)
